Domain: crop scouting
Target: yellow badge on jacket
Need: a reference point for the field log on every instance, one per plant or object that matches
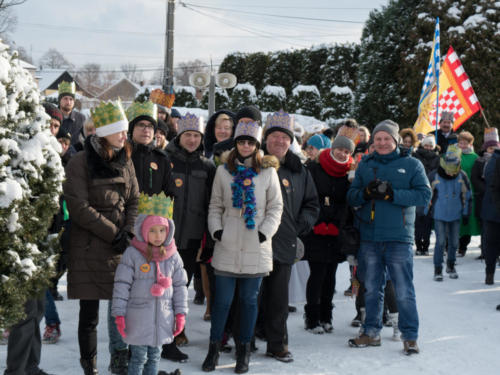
(285, 182)
(145, 268)
(178, 182)
(247, 182)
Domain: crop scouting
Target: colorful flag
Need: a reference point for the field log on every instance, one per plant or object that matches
(432, 74)
(456, 95)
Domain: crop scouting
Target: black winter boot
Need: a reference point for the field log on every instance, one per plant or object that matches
(89, 366)
(438, 273)
(212, 358)
(450, 269)
(242, 358)
(311, 319)
(490, 279)
(119, 362)
(199, 297)
(172, 353)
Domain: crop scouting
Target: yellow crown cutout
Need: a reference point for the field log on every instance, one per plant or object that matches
(137, 109)
(351, 133)
(107, 113)
(158, 96)
(280, 119)
(67, 88)
(157, 205)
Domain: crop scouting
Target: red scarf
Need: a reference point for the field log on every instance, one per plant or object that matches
(333, 167)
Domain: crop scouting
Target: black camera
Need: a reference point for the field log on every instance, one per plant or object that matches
(382, 186)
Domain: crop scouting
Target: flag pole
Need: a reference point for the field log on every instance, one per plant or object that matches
(484, 117)
(437, 88)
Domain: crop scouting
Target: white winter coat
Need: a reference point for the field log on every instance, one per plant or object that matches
(239, 250)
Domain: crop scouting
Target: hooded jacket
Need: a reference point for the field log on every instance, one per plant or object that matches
(149, 320)
(102, 199)
(239, 250)
(300, 207)
(191, 184)
(209, 139)
(392, 221)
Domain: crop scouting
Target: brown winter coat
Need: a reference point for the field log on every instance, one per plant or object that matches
(102, 198)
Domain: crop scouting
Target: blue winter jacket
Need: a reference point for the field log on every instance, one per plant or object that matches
(392, 221)
(451, 198)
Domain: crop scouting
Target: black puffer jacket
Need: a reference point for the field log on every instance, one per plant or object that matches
(300, 208)
(152, 168)
(429, 158)
(191, 185)
(332, 198)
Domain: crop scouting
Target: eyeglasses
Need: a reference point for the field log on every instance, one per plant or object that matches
(143, 126)
(242, 142)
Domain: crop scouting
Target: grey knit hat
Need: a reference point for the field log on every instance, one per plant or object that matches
(341, 141)
(390, 127)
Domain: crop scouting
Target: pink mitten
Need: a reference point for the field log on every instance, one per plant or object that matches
(120, 325)
(180, 321)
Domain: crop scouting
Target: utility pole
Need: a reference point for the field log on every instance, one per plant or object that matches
(168, 67)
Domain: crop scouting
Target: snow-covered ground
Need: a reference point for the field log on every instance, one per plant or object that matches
(459, 333)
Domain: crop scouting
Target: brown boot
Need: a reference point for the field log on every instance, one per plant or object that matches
(410, 347)
(364, 340)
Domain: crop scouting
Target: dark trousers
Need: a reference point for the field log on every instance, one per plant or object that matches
(87, 328)
(189, 259)
(463, 242)
(274, 304)
(389, 298)
(423, 228)
(491, 244)
(321, 287)
(25, 345)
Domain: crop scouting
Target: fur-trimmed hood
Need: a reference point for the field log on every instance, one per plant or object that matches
(268, 161)
(98, 167)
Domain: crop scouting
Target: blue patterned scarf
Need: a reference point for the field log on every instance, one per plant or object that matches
(243, 183)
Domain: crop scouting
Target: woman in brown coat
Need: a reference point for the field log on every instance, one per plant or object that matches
(102, 194)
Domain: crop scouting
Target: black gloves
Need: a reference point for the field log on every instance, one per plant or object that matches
(262, 237)
(218, 235)
(378, 189)
(465, 220)
(121, 241)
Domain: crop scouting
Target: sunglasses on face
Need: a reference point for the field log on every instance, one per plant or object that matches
(242, 142)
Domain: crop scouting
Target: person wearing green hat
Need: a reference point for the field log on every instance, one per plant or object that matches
(72, 119)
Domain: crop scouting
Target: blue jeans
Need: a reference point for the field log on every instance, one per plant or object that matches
(395, 258)
(224, 293)
(116, 342)
(446, 230)
(51, 315)
(144, 360)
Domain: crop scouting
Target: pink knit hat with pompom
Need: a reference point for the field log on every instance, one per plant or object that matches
(149, 222)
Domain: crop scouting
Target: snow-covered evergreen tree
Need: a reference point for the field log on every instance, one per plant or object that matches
(256, 65)
(185, 96)
(243, 94)
(315, 59)
(221, 99)
(234, 63)
(272, 99)
(305, 100)
(337, 104)
(30, 184)
(340, 68)
(286, 69)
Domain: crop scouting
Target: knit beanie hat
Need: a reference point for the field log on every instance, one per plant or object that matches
(429, 140)
(389, 127)
(319, 141)
(175, 113)
(53, 112)
(342, 141)
(250, 112)
(451, 159)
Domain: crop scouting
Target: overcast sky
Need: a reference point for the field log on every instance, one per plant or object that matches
(114, 32)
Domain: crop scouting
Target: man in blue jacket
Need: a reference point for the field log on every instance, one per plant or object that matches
(389, 183)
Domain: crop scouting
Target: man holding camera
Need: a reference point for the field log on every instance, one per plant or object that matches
(389, 183)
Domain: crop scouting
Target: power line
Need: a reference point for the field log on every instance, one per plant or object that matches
(267, 6)
(269, 15)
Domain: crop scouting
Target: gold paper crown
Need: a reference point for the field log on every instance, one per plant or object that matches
(159, 97)
(109, 118)
(351, 133)
(280, 119)
(67, 88)
(157, 205)
(137, 109)
(190, 122)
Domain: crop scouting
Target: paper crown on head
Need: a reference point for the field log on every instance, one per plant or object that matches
(147, 110)
(248, 129)
(67, 88)
(160, 97)
(447, 116)
(156, 204)
(109, 118)
(190, 122)
(351, 133)
(280, 121)
(490, 138)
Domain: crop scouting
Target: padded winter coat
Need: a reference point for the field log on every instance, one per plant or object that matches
(152, 169)
(239, 250)
(149, 320)
(491, 200)
(102, 198)
(393, 221)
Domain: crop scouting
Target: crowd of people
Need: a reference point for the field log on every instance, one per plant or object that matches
(153, 200)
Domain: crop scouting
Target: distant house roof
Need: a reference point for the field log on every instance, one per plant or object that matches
(26, 65)
(124, 89)
(49, 79)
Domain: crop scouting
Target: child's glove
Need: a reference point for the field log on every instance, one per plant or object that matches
(180, 321)
(120, 325)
